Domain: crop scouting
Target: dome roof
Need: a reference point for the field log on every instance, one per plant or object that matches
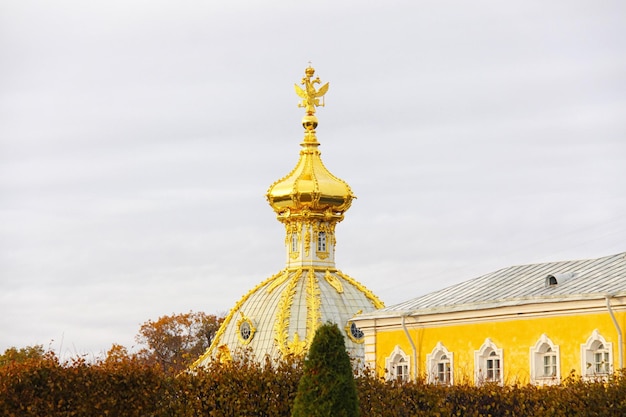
(310, 186)
(280, 315)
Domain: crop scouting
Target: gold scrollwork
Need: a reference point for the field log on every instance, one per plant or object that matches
(333, 281)
(277, 282)
(313, 306)
(281, 326)
(307, 242)
(370, 295)
(296, 346)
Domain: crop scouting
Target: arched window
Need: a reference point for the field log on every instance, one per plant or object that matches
(545, 365)
(596, 356)
(440, 365)
(398, 365)
(321, 242)
(489, 363)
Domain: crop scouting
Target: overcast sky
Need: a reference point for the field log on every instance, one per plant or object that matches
(138, 139)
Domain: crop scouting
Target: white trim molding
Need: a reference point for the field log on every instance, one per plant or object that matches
(545, 362)
(596, 357)
(398, 365)
(489, 363)
(440, 365)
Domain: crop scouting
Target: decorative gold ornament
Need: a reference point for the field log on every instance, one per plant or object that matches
(370, 295)
(278, 281)
(307, 241)
(354, 333)
(310, 190)
(310, 96)
(313, 305)
(296, 347)
(333, 281)
(281, 325)
(246, 329)
(223, 354)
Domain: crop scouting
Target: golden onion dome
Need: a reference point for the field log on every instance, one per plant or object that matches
(310, 187)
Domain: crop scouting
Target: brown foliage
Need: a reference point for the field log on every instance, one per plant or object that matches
(28, 353)
(175, 341)
(127, 386)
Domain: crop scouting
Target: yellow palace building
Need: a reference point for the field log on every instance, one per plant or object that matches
(523, 324)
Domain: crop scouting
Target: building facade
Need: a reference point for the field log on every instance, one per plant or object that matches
(524, 324)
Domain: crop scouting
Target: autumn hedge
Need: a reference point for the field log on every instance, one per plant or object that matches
(47, 387)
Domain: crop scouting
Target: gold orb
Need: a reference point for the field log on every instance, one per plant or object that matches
(309, 122)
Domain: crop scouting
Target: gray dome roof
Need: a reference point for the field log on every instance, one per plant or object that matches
(280, 315)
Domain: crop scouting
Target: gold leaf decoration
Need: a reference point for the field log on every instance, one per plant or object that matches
(281, 325)
(277, 282)
(370, 295)
(313, 305)
(333, 281)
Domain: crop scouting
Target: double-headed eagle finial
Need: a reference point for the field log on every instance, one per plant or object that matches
(310, 96)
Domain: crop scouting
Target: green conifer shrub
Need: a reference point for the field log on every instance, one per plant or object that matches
(327, 386)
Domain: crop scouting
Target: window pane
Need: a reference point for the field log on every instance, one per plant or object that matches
(321, 242)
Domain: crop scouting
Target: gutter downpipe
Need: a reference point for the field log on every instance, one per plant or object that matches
(408, 336)
(619, 331)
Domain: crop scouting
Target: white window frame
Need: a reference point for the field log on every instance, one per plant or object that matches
(590, 366)
(545, 350)
(482, 357)
(439, 358)
(398, 365)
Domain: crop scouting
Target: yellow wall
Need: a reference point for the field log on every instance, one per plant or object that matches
(515, 337)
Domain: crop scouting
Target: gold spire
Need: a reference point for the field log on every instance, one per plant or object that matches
(310, 100)
(310, 189)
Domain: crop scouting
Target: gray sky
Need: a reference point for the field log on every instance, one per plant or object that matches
(138, 139)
